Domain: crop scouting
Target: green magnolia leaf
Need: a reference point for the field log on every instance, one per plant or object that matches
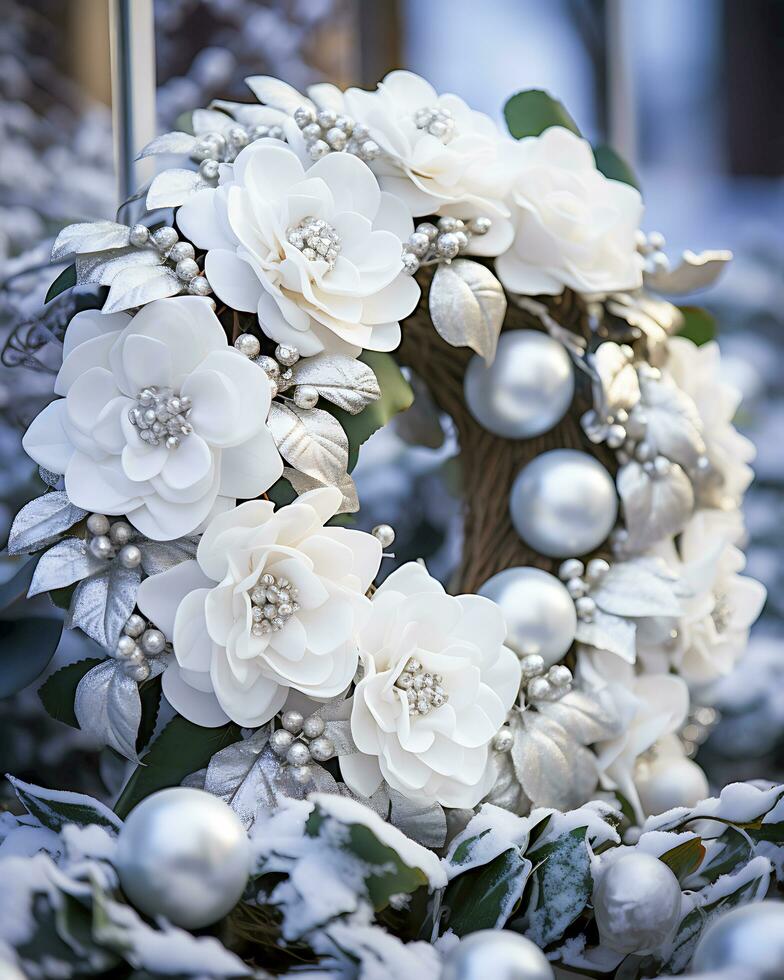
(180, 749)
(396, 396)
(28, 646)
(58, 692)
(486, 897)
(684, 859)
(55, 808)
(613, 165)
(562, 886)
(150, 697)
(66, 280)
(531, 113)
(699, 326)
(729, 851)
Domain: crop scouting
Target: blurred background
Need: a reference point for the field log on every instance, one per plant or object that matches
(689, 93)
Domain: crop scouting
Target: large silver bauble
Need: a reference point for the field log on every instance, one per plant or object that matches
(751, 936)
(668, 782)
(496, 953)
(563, 503)
(636, 903)
(183, 854)
(539, 612)
(526, 390)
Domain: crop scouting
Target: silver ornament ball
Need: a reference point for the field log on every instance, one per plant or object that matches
(665, 783)
(539, 612)
(497, 953)
(526, 390)
(751, 936)
(183, 854)
(563, 503)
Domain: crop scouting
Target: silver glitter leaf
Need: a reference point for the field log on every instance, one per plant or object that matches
(641, 587)
(672, 422)
(100, 268)
(311, 440)
(171, 188)
(424, 823)
(302, 483)
(89, 236)
(617, 384)
(654, 506)
(103, 602)
(160, 556)
(273, 92)
(65, 563)
(345, 381)
(139, 285)
(468, 306)
(175, 142)
(695, 271)
(586, 718)
(50, 478)
(42, 521)
(611, 633)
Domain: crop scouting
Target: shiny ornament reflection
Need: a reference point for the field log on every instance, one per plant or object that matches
(750, 937)
(183, 854)
(526, 390)
(539, 612)
(668, 782)
(496, 953)
(563, 503)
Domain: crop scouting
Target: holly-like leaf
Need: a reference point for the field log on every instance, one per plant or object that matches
(102, 268)
(468, 305)
(530, 113)
(66, 280)
(41, 521)
(58, 692)
(55, 808)
(611, 633)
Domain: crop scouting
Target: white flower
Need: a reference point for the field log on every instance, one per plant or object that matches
(431, 745)
(118, 366)
(573, 226)
(336, 285)
(273, 601)
(697, 371)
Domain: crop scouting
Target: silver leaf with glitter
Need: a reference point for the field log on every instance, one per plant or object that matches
(42, 521)
(102, 603)
(468, 306)
(345, 381)
(311, 440)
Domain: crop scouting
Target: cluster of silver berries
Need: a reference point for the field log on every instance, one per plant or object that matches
(138, 641)
(278, 368)
(651, 248)
(300, 741)
(442, 242)
(326, 131)
(579, 579)
(423, 690)
(213, 149)
(180, 255)
(273, 603)
(437, 122)
(107, 540)
(541, 683)
(161, 416)
(316, 239)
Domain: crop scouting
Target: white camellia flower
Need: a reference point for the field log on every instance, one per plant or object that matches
(273, 601)
(573, 226)
(315, 254)
(438, 683)
(161, 419)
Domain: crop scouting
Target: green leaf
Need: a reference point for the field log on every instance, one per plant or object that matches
(58, 692)
(281, 493)
(562, 886)
(531, 113)
(486, 897)
(62, 597)
(685, 858)
(179, 750)
(150, 697)
(66, 280)
(396, 396)
(55, 808)
(699, 325)
(28, 646)
(613, 165)
(16, 587)
(729, 851)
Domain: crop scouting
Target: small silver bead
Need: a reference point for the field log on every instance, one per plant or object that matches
(385, 534)
(447, 245)
(187, 269)
(301, 774)
(209, 170)
(98, 524)
(370, 149)
(130, 556)
(616, 436)
(661, 466)
(559, 676)
(126, 645)
(575, 587)
(269, 366)
(429, 229)
(248, 345)
(137, 672)
(539, 689)
(135, 626)
(322, 748)
(418, 243)
(198, 286)
(281, 740)
(121, 533)
(571, 568)
(182, 250)
(532, 665)
(101, 546)
(304, 116)
(165, 238)
(153, 642)
(480, 225)
(336, 138)
(305, 396)
(292, 721)
(313, 726)
(318, 149)
(286, 354)
(298, 754)
(410, 263)
(504, 740)
(596, 569)
(139, 235)
(327, 118)
(586, 607)
(311, 132)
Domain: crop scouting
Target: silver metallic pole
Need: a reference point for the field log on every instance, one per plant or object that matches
(621, 89)
(132, 34)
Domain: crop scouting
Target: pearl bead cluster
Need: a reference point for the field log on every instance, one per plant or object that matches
(139, 640)
(442, 242)
(651, 247)
(436, 121)
(109, 540)
(316, 239)
(541, 683)
(579, 579)
(326, 131)
(213, 149)
(273, 603)
(423, 690)
(301, 740)
(161, 416)
(181, 255)
(278, 368)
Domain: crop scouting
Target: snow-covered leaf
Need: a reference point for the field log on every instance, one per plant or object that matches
(562, 886)
(100, 268)
(345, 381)
(103, 602)
(171, 188)
(611, 633)
(486, 897)
(174, 142)
(638, 588)
(139, 285)
(302, 483)
(695, 271)
(424, 823)
(311, 440)
(673, 424)
(42, 521)
(89, 236)
(55, 808)
(654, 506)
(160, 556)
(63, 564)
(468, 306)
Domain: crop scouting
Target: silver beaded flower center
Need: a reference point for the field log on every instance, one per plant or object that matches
(273, 604)
(316, 239)
(437, 121)
(422, 689)
(161, 416)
